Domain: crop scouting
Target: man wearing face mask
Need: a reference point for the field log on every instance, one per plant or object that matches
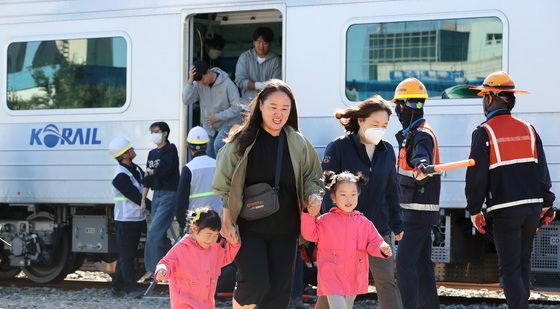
(419, 197)
(511, 177)
(362, 149)
(213, 48)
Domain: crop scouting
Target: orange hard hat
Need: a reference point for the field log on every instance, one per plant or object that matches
(497, 82)
(410, 88)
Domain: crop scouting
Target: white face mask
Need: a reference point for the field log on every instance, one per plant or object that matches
(214, 53)
(374, 135)
(156, 137)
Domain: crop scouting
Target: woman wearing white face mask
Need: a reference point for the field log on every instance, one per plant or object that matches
(162, 176)
(363, 150)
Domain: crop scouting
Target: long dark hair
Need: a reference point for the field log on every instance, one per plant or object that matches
(349, 117)
(247, 132)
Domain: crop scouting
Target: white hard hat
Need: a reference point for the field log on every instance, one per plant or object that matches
(118, 146)
(197, 135)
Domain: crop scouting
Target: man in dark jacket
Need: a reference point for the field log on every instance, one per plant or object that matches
(195, 184)
(129, 215)
(419, 197)
(511, 176)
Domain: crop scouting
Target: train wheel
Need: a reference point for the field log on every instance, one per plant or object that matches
(56, 266)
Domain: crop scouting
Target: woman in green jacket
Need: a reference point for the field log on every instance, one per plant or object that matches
(265, 260)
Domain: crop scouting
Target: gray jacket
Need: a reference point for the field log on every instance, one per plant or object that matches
(248, 68)
(222, 99)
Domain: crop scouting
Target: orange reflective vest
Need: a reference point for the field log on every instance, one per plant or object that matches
(404, 168)
(412, 196)
(511, 141)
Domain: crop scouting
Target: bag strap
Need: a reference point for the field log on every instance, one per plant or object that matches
(279, 154)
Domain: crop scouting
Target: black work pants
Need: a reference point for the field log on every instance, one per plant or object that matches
(128, 237)
(513, 237)
(265, 267)
(415, 270)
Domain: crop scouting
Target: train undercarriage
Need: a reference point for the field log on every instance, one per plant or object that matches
(47, 242)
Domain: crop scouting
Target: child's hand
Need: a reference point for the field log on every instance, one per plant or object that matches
(313, 210)
(160, 275)
(314, 204)
(386, 249)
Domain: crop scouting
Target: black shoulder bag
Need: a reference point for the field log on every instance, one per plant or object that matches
(261, 200)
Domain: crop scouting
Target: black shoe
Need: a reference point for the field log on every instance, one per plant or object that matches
(117, 293)
(297, 303)
(135, 294)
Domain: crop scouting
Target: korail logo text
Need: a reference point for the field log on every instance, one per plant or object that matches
(51, 136)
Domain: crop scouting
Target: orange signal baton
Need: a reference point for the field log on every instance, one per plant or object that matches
(430, 169)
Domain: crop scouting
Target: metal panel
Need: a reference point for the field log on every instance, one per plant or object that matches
(442, 252)
(90, 234)
(545, 256)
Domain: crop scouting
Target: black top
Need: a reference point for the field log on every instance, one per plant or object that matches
(509, 182)
(123, 183)
(261, 166)
(378, 199)
(165, 163)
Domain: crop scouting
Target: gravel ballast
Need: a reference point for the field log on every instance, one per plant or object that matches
(98, 298)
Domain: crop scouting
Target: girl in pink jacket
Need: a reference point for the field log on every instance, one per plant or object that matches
(344, 238)
(193, 265)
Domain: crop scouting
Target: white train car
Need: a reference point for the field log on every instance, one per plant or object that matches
(77, 73)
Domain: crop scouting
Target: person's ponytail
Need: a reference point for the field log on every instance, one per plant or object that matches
(349, 117)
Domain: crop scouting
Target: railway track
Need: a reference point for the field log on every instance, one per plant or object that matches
(444, 299)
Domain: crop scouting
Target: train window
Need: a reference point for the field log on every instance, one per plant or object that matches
(447, 55)
(67, 74)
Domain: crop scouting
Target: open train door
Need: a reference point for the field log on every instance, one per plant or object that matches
(234, 27)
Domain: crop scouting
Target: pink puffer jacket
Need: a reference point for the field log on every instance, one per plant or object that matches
(193, 272)
(343, 241)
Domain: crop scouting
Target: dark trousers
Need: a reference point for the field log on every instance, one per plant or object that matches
(513, 237)
(415, 271)
(265, 266)
(128, 238)
(298, 286)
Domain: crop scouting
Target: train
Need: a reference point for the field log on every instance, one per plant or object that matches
(78, 73)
